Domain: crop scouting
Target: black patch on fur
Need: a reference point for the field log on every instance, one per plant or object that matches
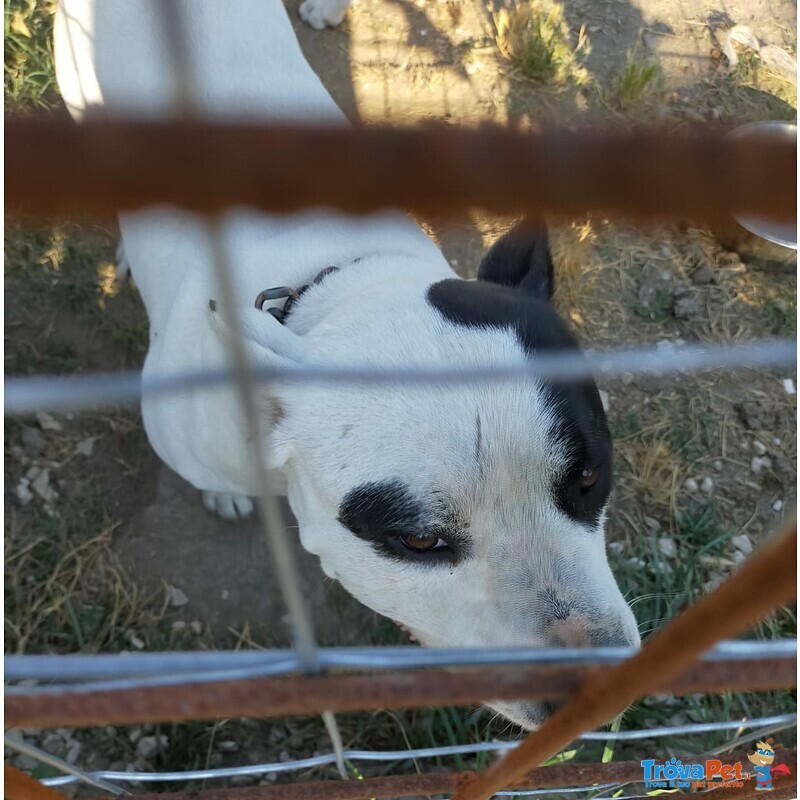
(379, 513)
(523, 307)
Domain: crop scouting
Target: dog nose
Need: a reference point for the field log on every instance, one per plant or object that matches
(576, 630)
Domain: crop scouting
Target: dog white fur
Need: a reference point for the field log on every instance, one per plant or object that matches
(461, 512)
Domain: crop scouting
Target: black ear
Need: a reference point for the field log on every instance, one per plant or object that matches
(521, 260)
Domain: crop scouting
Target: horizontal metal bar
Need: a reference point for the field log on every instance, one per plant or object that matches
(27, 395)
(240, 664)
(100, 167)
(555, 778)
(270, 697)
(327, 759)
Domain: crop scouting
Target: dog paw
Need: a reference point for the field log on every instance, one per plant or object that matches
(320, 14)
(123, 268)
(228, 506)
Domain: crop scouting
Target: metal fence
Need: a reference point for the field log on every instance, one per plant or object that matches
(644, 174)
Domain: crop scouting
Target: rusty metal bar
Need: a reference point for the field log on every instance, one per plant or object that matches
(272, 697)
(19, 786)
(766, 581)
(55, 167)
(556, 777)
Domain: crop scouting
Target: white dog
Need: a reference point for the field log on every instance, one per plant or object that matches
(472, 514)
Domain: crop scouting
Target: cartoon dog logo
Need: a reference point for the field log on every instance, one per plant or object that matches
(762, 760)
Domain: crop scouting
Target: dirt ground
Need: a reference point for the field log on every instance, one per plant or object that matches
(106, 549)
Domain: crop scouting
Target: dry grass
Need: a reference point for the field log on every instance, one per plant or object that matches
(533, 36)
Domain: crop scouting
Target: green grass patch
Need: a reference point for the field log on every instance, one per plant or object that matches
(657, 310)
(28, 76)
(635, 84)
(780, 315)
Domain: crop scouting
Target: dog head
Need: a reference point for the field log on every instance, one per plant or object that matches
(473, 514)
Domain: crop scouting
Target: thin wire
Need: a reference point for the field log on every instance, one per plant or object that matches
(131, 670)
(326, 759)
(73, 773)
(28, 395)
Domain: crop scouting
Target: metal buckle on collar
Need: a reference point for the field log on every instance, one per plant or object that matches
(291, 295)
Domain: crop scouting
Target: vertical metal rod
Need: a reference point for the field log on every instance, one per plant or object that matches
(302, 630)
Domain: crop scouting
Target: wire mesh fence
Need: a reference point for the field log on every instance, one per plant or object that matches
(92, 690)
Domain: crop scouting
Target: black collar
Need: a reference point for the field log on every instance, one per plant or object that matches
(291, 295)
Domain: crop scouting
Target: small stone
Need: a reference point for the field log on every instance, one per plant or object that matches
(47, 422)
(653, 524)
(19, 454)
(636, 562)
(149, 746)
(690, 484)
(707, 485)
(136, 642)
(34, 443)
(54, 744)
(718, 465)
(667, 547)
(27, 763)
(742, 543)
(759, 463)
(605, 400)
(178, 625)
(616, 548)
(759, 447)
(270, 777)
(227, 746)
(776, 441)
(738, 557)
(196, 626)
(134, 735)
(86, 446)
(41, 485)
(177, 597)
(23, 492)
(74, 748)
(225, 594)
(684, 307)
(703, 275)
(627, 378)
(777, 506)
(788, 386)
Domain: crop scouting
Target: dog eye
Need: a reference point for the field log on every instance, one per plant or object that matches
(421, 543)
(589, 477)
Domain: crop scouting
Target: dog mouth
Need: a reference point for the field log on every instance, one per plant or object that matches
(528, 714)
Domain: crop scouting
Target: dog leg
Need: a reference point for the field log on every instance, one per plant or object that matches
(231, 507)
(320, 14)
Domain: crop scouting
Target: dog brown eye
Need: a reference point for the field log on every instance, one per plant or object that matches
(589, 477)
(421, 543)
